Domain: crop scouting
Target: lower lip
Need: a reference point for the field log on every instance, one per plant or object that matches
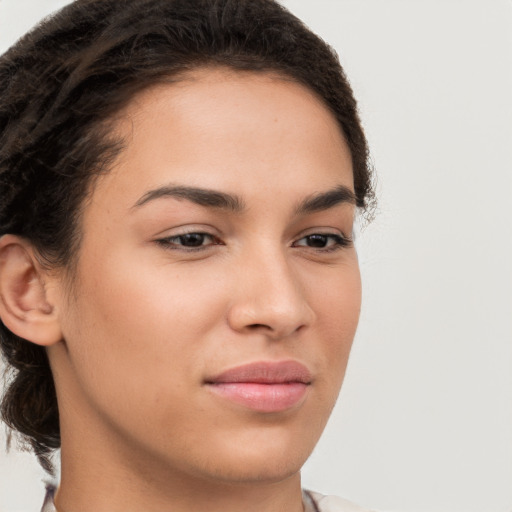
(262, 397)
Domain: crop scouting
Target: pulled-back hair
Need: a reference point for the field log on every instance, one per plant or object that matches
(63, 82)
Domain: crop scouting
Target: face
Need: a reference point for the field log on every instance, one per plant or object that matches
(217, 290)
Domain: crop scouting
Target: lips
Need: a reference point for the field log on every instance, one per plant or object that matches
(263, 386)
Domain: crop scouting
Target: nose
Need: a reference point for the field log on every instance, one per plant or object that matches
(269, 298)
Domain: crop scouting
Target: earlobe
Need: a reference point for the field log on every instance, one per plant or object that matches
(24, 306)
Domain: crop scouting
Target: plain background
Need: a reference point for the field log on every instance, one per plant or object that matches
(424, 422)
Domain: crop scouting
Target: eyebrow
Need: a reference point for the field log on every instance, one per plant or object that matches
(317, 202)
(200, 196)
(322, 201)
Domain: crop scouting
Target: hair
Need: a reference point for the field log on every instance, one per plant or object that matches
(63, 82)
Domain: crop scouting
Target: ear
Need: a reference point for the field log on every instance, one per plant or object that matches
(24, 306)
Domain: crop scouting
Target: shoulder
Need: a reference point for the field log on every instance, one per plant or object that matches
(321, 503)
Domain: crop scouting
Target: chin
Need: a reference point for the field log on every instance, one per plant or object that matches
(265, 460)
(253, 472)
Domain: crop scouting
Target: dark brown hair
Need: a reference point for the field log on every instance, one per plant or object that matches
(62, 83)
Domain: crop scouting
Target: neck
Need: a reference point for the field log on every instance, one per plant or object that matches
(101, 479)
(126, 491)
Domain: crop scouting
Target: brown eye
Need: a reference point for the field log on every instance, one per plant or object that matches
(325, 242)
(188, 241)
(319, 241)
(192, 239)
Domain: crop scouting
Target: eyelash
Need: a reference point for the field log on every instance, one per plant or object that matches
(340, 242)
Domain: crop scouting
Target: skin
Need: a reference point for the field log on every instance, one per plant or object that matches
(145, 324)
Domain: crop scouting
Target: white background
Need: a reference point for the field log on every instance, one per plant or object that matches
(424, 422)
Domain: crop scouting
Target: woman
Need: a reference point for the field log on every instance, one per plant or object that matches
(179, 285)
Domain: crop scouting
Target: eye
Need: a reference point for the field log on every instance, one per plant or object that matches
(188, 241)
(323, 242)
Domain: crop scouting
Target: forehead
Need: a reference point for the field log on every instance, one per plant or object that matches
(222, 128)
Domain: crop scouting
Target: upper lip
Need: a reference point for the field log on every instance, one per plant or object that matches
(264, 372)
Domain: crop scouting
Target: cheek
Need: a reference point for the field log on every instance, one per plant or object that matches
(338, 307)
(141, 317)
(338, 302)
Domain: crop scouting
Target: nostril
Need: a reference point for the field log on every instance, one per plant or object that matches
(257, 326)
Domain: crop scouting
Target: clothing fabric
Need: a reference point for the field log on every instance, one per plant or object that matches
(313, 502)
(48, 505)
(316, 502)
